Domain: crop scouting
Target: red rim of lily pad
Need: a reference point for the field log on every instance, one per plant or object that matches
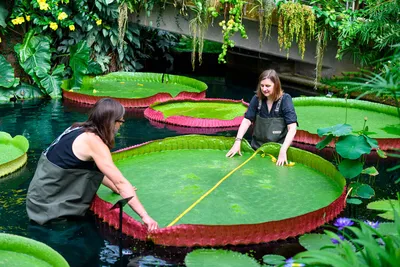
(305, 136)
(190, 235)
(178, 120)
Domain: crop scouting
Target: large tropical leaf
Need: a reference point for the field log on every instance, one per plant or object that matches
(6, 72)
(352, 147)
(27, 91)
(79, 62)
(3, 15)
(51, 83)
(218, 258)
(6, 94)
(34, 52)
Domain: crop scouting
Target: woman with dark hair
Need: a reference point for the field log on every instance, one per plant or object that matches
(71, 169)
(273, 114)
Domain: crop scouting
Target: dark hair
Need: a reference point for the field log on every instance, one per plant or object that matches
(273, 76)
(102, 118)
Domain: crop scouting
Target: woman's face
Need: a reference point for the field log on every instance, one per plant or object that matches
(118, 124)
(267, 87)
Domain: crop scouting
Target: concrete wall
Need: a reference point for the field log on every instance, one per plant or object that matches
(268, 51)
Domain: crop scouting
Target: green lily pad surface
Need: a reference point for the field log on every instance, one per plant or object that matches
(16, 251)
(137, 85)
(383, 121)
(12, 152)
(219, 258)
(222, 110)
(171, 174)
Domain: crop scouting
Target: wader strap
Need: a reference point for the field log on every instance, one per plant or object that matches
(278, 105)
(67, 131)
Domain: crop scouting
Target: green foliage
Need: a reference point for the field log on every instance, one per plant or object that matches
(233, 9)
(296, 22)
(388, 206)
(79, 61)
(211, 257)
(7, 78)
(51, 82)
(3, 16)
(361, 246)
(350, 150)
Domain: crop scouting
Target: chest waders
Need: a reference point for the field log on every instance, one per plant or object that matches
(55, 192)
(268, 129)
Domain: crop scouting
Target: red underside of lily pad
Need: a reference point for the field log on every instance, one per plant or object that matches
(220, 235)
(132, 102)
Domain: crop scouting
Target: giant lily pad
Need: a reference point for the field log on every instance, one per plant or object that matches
(200, 197)
(201, 113)
(221, 258)
(135, 89)
(18, 251)
(315, 113)
(12, 152)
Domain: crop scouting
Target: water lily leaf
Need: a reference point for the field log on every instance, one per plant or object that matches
(352, 147)
(362, 190)
(354, 201)
(315, 241)
(336, 130)
(6, 72)
(370, 171)
(273, 259)
(383, 205)
(350, 168)
(323, 143)
(372, 142)
(211, 257)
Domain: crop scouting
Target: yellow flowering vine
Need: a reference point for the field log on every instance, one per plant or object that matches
(53, 26)
(71, 28)
(18, 20)
(28, 18)
(99, 21)
(43, 5)
(62, 16)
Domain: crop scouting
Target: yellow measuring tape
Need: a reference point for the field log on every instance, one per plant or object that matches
(212, 189)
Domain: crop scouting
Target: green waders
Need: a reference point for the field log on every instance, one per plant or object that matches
(268, 129)
(55, 192)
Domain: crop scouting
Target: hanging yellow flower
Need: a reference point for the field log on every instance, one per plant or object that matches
(18, 20)
(53, 26)
(99, 21)
(44, 6)
(72, 28)
(62, 16)
(0, 39)
(28, 18)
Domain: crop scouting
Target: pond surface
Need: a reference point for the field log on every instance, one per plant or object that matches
(91, 242)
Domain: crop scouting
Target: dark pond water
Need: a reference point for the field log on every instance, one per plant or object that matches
(90, 242)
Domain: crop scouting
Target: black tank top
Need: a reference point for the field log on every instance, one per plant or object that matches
(61, 154)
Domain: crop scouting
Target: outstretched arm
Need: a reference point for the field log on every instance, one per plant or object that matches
(282, 158)
(102, 156)
(244, 126)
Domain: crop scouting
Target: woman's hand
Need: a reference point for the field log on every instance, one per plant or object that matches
(235, 149)
(149, 222)
(282, 159)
